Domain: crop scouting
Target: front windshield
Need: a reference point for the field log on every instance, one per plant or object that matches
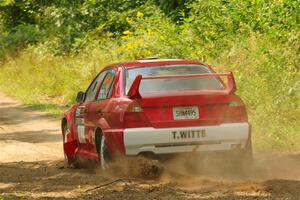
(172, 84)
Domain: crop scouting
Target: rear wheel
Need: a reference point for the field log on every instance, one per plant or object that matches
(248, 155)
(104, 153)
(244, 158)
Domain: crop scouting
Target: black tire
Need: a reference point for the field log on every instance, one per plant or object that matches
(104, 153)
(244, 158)
(248, 155)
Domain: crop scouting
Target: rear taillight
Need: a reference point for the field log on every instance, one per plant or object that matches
(235, 112)
(135, 117)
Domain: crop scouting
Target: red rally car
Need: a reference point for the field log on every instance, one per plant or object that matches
(157, 107)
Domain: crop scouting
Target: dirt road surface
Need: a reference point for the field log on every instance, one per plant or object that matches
(32, 167)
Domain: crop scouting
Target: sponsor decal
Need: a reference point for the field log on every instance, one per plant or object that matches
(189, 134)
(81, 135)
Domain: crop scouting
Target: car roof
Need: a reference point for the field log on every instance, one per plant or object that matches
(154, 62)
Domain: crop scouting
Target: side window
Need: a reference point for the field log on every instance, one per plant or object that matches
(93, 88)
(107, 86)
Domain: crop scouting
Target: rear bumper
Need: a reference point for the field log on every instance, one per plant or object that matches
(223, 137)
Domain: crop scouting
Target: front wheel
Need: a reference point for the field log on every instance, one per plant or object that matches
(65, 130)
(75, 161)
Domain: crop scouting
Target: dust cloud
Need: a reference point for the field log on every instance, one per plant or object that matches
(191, 171)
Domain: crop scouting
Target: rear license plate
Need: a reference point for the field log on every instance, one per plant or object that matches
(181, 113)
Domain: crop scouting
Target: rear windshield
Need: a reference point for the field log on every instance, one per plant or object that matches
(172, 84)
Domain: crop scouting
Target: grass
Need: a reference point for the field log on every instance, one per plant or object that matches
(267, 77)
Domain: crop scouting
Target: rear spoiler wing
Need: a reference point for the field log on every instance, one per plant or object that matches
(134, 92)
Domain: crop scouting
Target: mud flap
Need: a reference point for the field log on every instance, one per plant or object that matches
(70, 148)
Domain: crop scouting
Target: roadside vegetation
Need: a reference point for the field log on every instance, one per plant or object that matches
(49, 50)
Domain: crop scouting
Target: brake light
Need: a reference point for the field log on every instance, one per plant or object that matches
(235, 112)
(134, 116)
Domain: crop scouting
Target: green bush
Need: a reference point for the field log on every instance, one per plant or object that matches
(18, 38)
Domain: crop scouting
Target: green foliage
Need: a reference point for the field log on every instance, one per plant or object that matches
(20, 37)
(221, 21)
(67, 22)
(177, 10)
(61, 45)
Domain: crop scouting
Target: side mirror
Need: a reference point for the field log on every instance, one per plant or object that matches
(80, 97)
